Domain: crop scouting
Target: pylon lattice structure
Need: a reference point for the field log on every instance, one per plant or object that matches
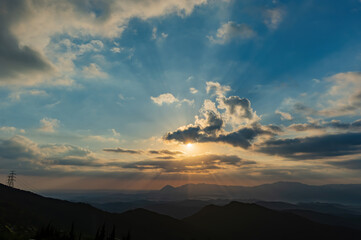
(11, 179)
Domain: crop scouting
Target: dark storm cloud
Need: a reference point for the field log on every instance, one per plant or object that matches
(305, 126)
(334, 124)
(200, 163)
(317, 147)
(17, 148)
(211, 125)
(15, 58)
(122, 150)
(348, 126)
(214, 123)
(188, 134)
(165, 152)
(243, 137)
(27, 157)
(165, 157)
(73, 162)
(349, 164)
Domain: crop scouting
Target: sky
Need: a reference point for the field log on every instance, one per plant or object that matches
(98, 94)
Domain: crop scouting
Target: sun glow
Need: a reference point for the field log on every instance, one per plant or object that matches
(189, 145)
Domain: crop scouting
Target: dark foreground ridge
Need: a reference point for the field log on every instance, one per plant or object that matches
(28, 212)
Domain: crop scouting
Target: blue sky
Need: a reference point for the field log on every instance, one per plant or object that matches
(245, 90)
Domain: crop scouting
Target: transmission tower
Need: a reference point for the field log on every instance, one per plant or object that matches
(11, 179)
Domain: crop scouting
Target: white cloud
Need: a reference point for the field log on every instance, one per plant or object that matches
(103, 139)
(164, 35)
(190, 78)
(238, 111)
(8, 129)
(16, 95)
(121, 97)
(93, 71)
(32, 24)
(155, 34)
(92, 46)
(49, 125)
(232, 30)
(217, 88)
(273, 17)
(193, 90)
(166, 98)
(115, 133)
(284, 115)
(116, 49)
(344, 95)
(190, 102)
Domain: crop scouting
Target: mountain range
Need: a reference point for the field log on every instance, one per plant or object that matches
(292, 192)
(25, 210)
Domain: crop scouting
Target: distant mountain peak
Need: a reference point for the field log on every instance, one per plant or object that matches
(167, 188)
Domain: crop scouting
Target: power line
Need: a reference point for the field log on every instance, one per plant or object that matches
(11, 179)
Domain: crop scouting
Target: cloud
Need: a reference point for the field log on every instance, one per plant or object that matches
(27, 28)
(210, 125)
(217, 89)
(190, 78)
(321, 125)
(243, 137)
(167, 98)
(155, 34)
(198, 163)
(16, 95)
(165, 152)
(273, 17)
(122, 150)
(18, 148)
(115, 133)
(237, 110)
(344, 95)
(193, 90)
(284, 115)
(93, 71)
(348, 164)
(92, 46)
(342, 98)
(315, 147)
(16, 58)
(27, 157)
(8, 129)
(116, 49)
(165, 157)
(189, 102)
(99, 138)
(49, 125)
(230, 31)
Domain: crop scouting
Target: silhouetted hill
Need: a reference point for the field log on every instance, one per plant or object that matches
(346, 220)
(250, 221)
(21, 208)
(331, 214)
(176, 209)
(26, 210)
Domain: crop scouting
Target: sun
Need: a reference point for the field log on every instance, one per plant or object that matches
(189, 145)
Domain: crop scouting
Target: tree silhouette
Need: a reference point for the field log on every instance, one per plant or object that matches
(112, 235)
(72, 232)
